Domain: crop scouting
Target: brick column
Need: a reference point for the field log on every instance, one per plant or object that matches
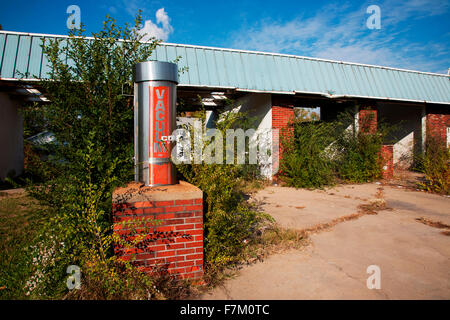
(367, 119)
(437, 121)
(368, 123)
(281, 117)
(387, 158)
(173, 244)
(282, 114)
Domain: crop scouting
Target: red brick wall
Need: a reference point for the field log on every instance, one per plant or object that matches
(175, 245)
(437, 124)
(281, 116)
(368, 120)
(387, 157)
(368, 123)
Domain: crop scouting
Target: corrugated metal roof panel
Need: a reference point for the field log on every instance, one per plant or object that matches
(35, 57)
(21, 57)
(2, 46)
(9, 56)
(45, 65)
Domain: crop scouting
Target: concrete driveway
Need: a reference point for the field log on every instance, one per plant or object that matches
(414, 258)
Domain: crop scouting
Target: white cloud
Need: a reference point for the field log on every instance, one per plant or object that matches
(161, 32)
(340, 34)
(397, 11)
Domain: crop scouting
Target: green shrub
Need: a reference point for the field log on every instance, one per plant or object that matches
(359, 160)
(435, 164)
(305, 162)
(90, 114)
(230, 222)
(318, 153)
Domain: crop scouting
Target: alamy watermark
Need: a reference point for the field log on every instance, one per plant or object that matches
(374, 20)
(374, 280)
(197, 145)
(74, 19)
(74, 279)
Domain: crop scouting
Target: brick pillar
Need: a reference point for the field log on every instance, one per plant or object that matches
(387, 158)
(368, 123)
(173, 244)
(367, 119)
(281, 117)
(282, 114)
(437, 121)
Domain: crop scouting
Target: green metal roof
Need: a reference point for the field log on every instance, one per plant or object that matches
(21, 54)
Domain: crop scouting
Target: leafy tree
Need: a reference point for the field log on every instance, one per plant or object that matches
(91, 116)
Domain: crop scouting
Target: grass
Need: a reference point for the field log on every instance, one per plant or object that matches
(275, 239)
(20, 219)
(247, 187)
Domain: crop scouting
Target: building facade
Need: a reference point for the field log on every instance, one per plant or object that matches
(267, 86)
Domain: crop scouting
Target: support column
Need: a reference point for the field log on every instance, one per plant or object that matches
(368, 123)
(282, 114)
(11, 138)
(437, 122)
(169, 223)
(387, 156)
(423, 123)
(367, 119)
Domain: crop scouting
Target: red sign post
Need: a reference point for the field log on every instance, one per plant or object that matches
(159, 144)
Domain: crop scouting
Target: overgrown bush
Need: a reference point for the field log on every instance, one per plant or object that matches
(305, 162)
(317, 154)
(230, 222)
(435, 164)
(359, 156)
(90, 114)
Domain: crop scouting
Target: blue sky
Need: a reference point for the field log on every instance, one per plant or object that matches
(414, 34)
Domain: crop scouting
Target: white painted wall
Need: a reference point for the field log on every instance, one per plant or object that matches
(11, 137)
(448, 137)
(259, 107)
(404, 150)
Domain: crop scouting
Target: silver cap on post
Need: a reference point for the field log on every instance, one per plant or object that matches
(155, 113)
(156, 71)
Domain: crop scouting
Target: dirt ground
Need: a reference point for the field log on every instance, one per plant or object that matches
(413, 257)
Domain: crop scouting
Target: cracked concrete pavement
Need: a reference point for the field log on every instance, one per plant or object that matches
(414, 258)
